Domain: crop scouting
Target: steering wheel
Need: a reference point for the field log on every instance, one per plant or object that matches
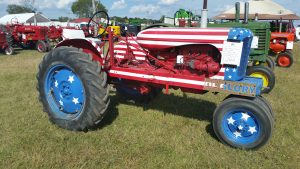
(95, 22)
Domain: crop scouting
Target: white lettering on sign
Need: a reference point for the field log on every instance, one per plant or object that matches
(254, 44)
(232, 52)
(290, 45)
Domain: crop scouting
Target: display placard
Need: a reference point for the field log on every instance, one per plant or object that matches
(232, 52)
(290, 45)
(254, 44)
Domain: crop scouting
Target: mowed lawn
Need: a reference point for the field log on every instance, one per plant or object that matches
(173, 131)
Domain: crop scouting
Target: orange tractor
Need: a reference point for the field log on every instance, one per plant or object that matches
(282, 41)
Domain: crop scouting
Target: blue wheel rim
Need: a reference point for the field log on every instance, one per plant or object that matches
(64, 92)
(241, 127)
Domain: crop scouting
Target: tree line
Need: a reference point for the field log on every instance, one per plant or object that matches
(80, 8)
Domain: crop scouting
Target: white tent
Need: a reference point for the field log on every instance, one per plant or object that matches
(23, 18)
(265, 9)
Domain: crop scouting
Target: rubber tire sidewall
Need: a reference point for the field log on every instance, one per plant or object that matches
(290, 56)
(94, 108)
(271, 63)
(9, 50)
(234, 103)
(44, 46)
(266, 71)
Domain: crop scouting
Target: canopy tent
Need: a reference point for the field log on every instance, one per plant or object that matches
(265, 9)
(23, 18)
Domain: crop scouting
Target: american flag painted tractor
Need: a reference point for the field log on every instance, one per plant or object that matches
(74, 78)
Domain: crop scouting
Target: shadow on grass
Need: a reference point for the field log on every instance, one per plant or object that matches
(183, 106)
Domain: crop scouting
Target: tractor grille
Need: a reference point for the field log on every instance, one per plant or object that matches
(262, 34)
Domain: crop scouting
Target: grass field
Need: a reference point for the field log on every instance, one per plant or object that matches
(173, 131)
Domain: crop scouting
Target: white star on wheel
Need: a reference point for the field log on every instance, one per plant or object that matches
(237, 134)
(71, 79)
(240, 127)
(252, 130)
(231, 121)
(61, 103)
(56, 84)
(234, 70)
(245, 116)
(75, 100)
(230, 77)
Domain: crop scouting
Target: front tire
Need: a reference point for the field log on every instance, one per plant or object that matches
(243, 123)
(41, 46)
(266, 74)
(9, 50)
(72, 89)
(285, 59)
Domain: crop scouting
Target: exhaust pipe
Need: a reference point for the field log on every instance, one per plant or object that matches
(246, 13)
(237, 11)
(204, 15)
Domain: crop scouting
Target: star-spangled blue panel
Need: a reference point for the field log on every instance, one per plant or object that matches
(236, 73)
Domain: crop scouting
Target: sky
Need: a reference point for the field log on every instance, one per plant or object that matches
(141, 8)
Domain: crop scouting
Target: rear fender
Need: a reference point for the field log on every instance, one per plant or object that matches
(87, 47)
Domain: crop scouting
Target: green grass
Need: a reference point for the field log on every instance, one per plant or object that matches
(173, 131)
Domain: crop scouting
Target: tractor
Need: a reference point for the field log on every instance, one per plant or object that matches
(54, 34)
(282, 41)
(29, 36)
(262, 64)
(75, 78)
(5, 41)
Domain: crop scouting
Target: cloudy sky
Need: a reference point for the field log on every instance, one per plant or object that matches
(141, 8)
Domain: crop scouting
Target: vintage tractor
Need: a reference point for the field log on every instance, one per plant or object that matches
(74, 79)
(261, 63)
(29, 36)
(282, 42)
(54, 34)
(5, 41)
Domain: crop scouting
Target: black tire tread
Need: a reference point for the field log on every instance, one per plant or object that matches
(97, 94)
(289, 54)
(256, 105)
(268, 72)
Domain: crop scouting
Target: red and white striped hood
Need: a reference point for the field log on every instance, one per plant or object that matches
(163, 38)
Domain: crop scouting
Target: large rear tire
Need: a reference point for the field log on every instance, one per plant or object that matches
(243, 123)
(266, 74)
(73, 89)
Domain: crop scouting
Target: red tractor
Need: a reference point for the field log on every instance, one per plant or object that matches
(55, 34)
(74, 79)
(282, 41)
(28, 36)
(5, 41)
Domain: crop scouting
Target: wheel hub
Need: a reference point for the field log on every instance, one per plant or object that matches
(241, 127)
(67, 91)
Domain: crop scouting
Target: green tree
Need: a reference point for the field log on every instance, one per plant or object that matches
(63, 19)
(15, 9)
(83, 8)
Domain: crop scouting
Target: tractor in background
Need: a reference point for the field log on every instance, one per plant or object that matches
(54, 34)
(282, 42)
(29, 36)
(5, 41)
(74, 79)
(261, 64)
